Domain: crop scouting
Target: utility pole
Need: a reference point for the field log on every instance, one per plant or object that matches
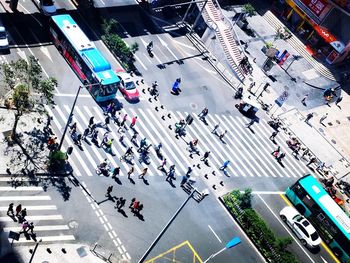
(198, 16)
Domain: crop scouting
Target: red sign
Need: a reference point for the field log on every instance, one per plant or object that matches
(316, 6)
(325, 34)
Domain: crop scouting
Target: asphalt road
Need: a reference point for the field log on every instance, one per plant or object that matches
(202, 87)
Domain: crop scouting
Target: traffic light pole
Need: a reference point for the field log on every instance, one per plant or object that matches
(69, 118)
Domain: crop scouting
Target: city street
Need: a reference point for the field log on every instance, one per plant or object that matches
(76, 209)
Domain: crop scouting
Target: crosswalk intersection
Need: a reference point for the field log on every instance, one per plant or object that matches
(249, 153)
(49, 224)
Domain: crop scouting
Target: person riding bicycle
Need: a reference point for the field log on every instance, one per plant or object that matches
(129, 151)
(104, 167)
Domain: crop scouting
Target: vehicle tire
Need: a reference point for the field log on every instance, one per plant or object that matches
(284, 219)
(303, 242)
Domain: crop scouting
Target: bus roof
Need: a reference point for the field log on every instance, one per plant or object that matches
(96, 60)
(325, 201)
(73, 32)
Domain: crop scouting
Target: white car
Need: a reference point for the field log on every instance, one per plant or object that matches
(301, 227)
(47, 6)
(4, 42)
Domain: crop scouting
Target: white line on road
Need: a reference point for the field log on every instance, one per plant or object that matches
(34, 218)
(268, 192)
(139, 60)
(47, 239)
(214, 233)
(33, 207)
(38, 228)
(289, 232)
(24, 198)
(183, 44)
(21, 188)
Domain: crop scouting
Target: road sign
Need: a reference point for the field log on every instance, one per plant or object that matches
(282, 98)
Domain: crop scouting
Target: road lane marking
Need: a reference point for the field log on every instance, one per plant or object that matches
(25, 198)
(139, 60)
(214, 233)
(21, 188)
(287, 229)
(182, 44)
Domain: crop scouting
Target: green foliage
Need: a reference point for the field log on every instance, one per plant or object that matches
(249, 10)
(8, 75)
(21, 98)
(239, 204)
(57, 160)
(46, 88)
(117, 45)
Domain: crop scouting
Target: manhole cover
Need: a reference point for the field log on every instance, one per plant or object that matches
(73, 224)
(194, 106)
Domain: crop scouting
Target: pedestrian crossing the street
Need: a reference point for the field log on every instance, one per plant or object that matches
(248, 150)
(49, 225)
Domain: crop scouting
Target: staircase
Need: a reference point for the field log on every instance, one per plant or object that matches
(223, 27)
(299, 46)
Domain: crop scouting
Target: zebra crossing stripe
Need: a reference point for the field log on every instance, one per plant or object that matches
(46, 239)
(20, 188)
(39, 228)
(228, 152)
(34, 218)
(264, 153)
(25, 198)
(167, 148)
(181, 163)
(244, 146)
(75, 153)
(33, 207)
(113, 134)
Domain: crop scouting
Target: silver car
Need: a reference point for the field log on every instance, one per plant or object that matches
(301, 227)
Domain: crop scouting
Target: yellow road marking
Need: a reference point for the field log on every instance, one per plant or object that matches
(194, 252)
(329, 251)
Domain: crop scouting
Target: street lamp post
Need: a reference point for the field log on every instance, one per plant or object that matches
(154, 243)
(232, 243)
(35, 248)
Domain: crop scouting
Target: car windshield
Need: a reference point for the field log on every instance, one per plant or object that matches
(47, 2)
(2, 35)
(129, 85)
(314, 236)
(298, 218)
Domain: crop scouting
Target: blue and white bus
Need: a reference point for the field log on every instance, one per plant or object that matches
(330, 220)
(88, 63)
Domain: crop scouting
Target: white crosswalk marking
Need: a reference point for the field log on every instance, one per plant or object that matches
(49, 225)
(250, 154)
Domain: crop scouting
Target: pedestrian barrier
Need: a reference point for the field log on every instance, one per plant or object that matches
(105, 254)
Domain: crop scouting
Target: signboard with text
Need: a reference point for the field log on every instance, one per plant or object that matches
(315, 6)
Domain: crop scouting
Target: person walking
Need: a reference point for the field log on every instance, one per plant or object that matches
(135, 207)
(189, 171)
(339, 99)
(31, 228)
(116, 172)
(303, 100)
(273, 135)
(221, 136)
(205, 156)
(276, 152)
(109, 191)
(203, 113)
(121, 139)
(161, 167)
(10, 210)
(323, 118)
(248, 125)
(312, 160)
(143, 173)
(134, 138)
(133, 122)
(216, 127)
(171, 173)
(73, 128)
(132, 202)
(25, 225)
(91, 121)
(308, 117)
(18, 209)
(107, 122)
(224, 165)
(85, 133)
(252, 84)
(122, 124)
(104, 139)
(23, 214)
(95, 137)
(132, 169)
(184, 179)
(280, 157)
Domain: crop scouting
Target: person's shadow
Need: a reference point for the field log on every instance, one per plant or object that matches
(117, 180)
(13, 217)
(131, 180)
(121, 211)
(145, 181)
(171, 183)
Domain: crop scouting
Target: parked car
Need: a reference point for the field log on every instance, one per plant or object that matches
(47, 7)
(301, 227)
(127, 86)
(4, 42)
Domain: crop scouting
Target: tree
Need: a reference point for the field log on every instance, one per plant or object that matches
(30, 91)
(248, 10)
